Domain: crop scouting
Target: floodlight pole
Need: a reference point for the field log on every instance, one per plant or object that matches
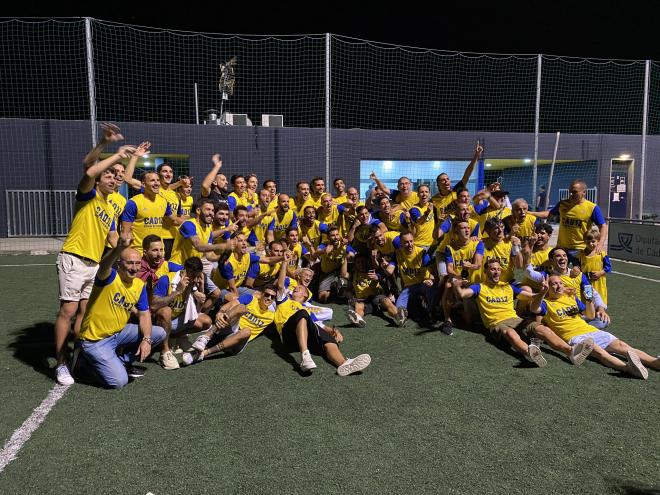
(536, 126)
(90, 78)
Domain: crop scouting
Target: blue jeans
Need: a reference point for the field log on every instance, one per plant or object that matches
(110, 356)
(428, 293)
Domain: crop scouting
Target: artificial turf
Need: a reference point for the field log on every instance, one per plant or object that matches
(432, 414)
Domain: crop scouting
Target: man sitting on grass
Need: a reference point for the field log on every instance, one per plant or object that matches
(561, 312)
(495, 300)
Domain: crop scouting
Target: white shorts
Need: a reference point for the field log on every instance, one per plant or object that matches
(75, 276)
(601, 338)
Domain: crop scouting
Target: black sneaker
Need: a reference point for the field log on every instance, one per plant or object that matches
(134, 372)
(447, 328)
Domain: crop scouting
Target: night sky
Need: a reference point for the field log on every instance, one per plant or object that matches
(619, 31)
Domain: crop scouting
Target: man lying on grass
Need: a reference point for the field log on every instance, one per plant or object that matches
(561, 311)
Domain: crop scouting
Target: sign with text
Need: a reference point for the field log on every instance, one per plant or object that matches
(635, 242)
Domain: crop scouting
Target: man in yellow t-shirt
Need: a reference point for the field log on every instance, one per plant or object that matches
(495, 300)
(144, 213)
(109, 343)
(562, 313)
(81, 252)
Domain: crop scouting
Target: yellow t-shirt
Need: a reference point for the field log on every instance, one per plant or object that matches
(563, 317)
(388, 248)
(183, 247)
(407, 203)
(330, 218)
(262, 227)
(488, 214)
(267, 274)
(526, 228)
(186, 206)
(413, 267)
(299, 207)
(92, 220)
(495, 302)
(595, 263)
(109, 306)
(502, 252)
(285, 310)
(281, 224)
(574, 222)
(363, 287)
(333, 260)
(465, 253)
(256, 319)
(540, 262)
(234, 268)
(118, 203)
(172, 198)
(442, 204)
(424, 229)
(313, 233)
(146, 216)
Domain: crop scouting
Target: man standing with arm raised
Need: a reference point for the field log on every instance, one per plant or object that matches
(82, 249)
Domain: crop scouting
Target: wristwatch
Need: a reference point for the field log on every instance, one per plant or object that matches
(147, 340)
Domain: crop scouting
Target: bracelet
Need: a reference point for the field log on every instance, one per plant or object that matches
(147, 340)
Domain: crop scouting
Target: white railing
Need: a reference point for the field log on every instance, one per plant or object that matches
(592, 194)
(39, 213)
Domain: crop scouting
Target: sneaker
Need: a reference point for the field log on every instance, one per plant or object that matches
(307, 363)
(534, 355)
(181, 344)
(635, 367)
(447, 328)
(189, 358)
(580, 351)
(63, 376)
(401, 317)
(168, 361)
(201, 342)
(352, 316)
(134, 372)
(354, 365)
(360, 322)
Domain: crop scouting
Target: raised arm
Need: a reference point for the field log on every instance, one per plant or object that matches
(111, 134)
(88, 180)
(537, 299)
(379, 183)
(140, 151)
(461, 292)
(106, 264)
(207, 183)
(478, 150)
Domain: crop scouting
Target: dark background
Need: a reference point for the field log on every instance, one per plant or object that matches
(621, 30)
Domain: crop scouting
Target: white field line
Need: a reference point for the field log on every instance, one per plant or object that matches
(25, 431)
(636, 276)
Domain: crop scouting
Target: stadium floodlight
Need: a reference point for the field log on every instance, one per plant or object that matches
(227, 82)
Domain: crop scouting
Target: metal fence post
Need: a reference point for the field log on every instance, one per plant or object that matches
(645, 123)
(328, 80)
(536, 126)
(90, 78)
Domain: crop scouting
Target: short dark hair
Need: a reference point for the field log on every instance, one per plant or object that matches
(491, 223)
(203, 201)
(318, 178)
(235, 177)
(551, 253)
(240, 208)
(146, 242)
(546, 227)
(221, 206)
(164, 164)
(267, 181)
(193, 265)
(490, 261)
(338, 178)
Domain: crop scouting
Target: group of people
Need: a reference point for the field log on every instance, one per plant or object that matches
(138, 276)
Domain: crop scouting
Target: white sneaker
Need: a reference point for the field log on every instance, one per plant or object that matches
(401, 317)
(63, 376)
(168, 361)
(581, 351)
(534, 355)
(189, 358)
(352, 316)
(360, 321)
(306, 362)
(201, 342)
(635, 367)
(354, 365)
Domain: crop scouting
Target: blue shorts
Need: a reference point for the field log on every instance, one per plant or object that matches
(601, 338)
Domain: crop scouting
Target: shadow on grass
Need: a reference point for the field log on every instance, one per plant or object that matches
(633, 488)
(34, 346)
(281, 350)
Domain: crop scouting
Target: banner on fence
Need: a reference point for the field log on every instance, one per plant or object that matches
(635, 242)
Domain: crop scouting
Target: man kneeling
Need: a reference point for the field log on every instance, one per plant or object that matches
(109, 343)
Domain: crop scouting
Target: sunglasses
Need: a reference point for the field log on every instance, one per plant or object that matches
(268, 295)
